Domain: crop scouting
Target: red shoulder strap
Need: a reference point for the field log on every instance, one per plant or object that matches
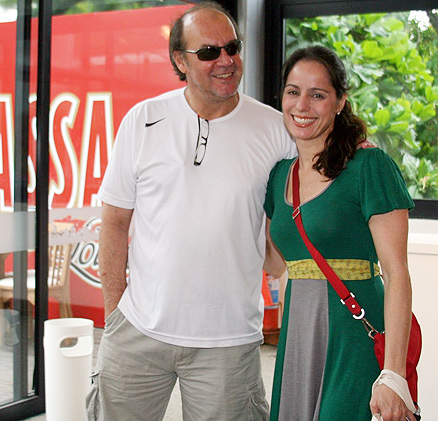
(347, 297)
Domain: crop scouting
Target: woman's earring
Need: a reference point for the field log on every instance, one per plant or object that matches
(338, 113)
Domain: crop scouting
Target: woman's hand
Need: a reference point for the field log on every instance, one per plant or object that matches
(388, 405)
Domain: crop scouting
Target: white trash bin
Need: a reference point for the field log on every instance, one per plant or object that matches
(68, 355)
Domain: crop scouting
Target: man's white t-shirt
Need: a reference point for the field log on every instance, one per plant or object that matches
(198, 243)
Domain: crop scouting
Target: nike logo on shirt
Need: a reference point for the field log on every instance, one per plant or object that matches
(154, 122)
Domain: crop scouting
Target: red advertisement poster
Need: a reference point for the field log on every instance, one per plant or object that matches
(102, 64)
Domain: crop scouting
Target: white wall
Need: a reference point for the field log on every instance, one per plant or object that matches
(252, 24)
(423, 266)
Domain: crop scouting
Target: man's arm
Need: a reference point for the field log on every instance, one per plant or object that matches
(113, 254)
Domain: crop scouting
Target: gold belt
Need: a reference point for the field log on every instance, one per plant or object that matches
(346, 269)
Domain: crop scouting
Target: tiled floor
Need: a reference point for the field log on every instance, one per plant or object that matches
(173, 413)
(7, 340)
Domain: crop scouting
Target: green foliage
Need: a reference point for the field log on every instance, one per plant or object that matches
(393, 73)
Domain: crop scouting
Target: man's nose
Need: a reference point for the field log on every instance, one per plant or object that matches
(224, 59)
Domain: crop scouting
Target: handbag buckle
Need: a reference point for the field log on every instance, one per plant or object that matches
(344, 302)
(360, 316)
(353, 306)
(372, 331)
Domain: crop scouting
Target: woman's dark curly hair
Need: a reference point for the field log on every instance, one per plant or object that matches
(349, 130)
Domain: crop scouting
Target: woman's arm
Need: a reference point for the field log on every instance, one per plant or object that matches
(390, 233)
(274, 261)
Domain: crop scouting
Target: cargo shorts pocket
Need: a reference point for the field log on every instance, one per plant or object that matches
(259, 408)
(92, 399)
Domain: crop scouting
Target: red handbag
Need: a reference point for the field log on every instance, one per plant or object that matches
(414, 351)
(349, 300)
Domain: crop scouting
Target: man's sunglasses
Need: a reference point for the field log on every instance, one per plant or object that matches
(212, 53)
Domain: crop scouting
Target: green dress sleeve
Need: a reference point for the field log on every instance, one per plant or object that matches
(269, 199)
(275, 190)
(381, 185)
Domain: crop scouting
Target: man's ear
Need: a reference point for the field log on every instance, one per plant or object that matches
(179, 59)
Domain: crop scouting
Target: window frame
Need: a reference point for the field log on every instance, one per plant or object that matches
(279, 10)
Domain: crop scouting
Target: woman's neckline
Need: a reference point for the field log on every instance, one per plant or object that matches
(288, 188)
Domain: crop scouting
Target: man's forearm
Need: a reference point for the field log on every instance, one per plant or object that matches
(113, 255)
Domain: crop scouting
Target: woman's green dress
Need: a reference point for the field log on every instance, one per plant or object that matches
(325, 361)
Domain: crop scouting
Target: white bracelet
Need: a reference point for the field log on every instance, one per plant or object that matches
(398, 384)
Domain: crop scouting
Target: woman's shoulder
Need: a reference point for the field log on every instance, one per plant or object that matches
(380, 183)
(375, 166)
(280, 171)
(372, 162)
(371, 154)
(282, 167)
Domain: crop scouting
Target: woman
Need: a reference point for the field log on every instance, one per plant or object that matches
(354, 206)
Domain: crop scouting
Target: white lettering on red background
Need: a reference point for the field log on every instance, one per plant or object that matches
(73, 181)
(6, 153)
(63, 113)
(97, 145)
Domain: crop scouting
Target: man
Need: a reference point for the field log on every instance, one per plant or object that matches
(190, 168)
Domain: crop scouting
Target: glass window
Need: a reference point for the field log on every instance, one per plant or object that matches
(8, 8)
(393, 71)
(69, 7)
(102, 65)
(106, 57)
(17, 222)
